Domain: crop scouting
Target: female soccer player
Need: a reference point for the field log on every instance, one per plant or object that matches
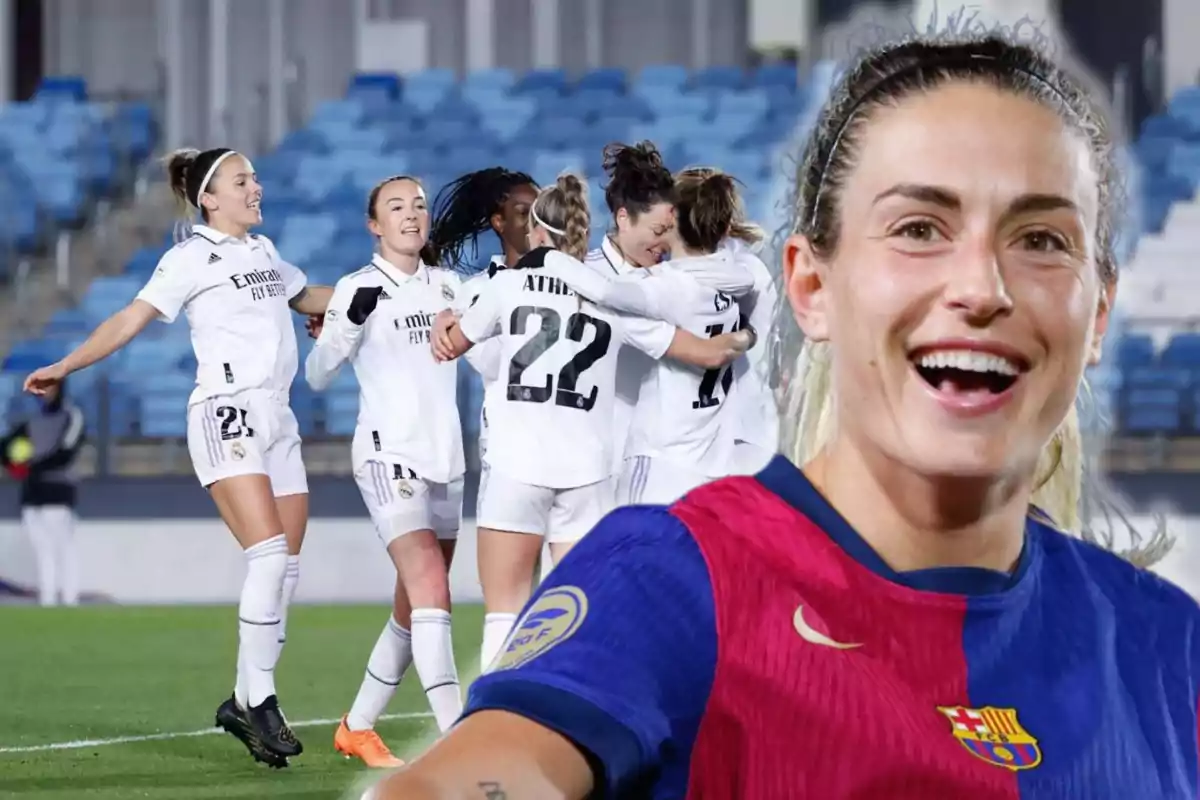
(902, 592)
(407, 453)
(684, 424)
(242, 436)
(495, 199)
(551, 410)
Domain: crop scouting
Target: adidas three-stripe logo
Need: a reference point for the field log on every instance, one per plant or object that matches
(213, 258)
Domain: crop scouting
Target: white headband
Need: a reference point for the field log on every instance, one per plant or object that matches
(208, 175)
(542, 222)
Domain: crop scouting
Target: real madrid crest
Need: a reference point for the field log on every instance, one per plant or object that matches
(447, 292)
(237, 450)
(404, 489)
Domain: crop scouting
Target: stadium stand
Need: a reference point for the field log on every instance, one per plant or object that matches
(1158, 358)
(435, 126)
(60, 156)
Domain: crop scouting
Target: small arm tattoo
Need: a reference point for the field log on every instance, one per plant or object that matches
(493, 791)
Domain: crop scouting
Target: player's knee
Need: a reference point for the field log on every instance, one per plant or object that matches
(422, 569)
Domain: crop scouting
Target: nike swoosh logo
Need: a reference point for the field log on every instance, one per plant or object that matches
(808, 634)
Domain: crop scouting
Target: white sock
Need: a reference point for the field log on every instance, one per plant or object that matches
(385, 668)
(291, 577)
(258, 620)
(433, 655)
(495, 630)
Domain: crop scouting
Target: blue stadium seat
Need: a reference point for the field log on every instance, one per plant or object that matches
(62, 89)
(1158, 377)
(372, 87)
(1153, 411)
(542, 80)
(1182, 352)
(670, 76)
(785, 76)
(726, 78)
(608, 79)
(1135, 350)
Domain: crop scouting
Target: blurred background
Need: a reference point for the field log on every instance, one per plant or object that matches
(328, 96)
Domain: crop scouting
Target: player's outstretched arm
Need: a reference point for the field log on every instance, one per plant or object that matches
(109, 337)
(493, 755)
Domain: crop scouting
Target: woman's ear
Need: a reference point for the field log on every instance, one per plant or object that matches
(804, 284)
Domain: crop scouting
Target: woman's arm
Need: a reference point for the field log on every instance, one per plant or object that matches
(109, 337)
(493, 755)
(312, 300)
(710, 353)
(448, 340)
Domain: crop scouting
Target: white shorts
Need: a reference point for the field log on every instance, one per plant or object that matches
(656, 481)
(560, 515)
(400, 502)
(249, 433)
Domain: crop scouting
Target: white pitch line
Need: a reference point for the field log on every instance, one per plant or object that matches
(83, 744)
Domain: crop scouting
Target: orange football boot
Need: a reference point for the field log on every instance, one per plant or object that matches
(365, 745)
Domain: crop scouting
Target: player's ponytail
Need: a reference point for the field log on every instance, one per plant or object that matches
(190, 173)
(178, 165)
(748, 233)
(706, 207)
(562, 211)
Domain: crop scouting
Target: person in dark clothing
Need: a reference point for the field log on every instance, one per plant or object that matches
(41, 452)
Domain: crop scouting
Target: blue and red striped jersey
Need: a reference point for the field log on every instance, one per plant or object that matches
(746, 642)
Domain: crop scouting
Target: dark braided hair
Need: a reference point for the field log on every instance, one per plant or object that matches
(463, 210)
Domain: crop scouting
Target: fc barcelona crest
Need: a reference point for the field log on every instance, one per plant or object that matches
(994, 735)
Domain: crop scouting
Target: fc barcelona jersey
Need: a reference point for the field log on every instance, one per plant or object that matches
(747, 643)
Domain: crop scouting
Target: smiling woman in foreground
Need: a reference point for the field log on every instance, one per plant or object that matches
(896, 618)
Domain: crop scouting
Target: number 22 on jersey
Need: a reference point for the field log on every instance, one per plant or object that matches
(551, 331)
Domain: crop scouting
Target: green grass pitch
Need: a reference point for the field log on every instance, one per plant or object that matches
(95, 673)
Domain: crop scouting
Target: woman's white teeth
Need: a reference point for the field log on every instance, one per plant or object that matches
(968, 361)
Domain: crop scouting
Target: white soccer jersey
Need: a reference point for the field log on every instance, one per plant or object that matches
(681, 292)
(632, 365)
(235, 293)
(758, 413)
(550, 412)
(686, 414)
(484, 358)
(408, 409)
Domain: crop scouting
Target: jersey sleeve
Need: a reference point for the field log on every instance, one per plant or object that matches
(482, 320)
(485, 357)
(653, 337)
(338, 341)
(617, 650)
(293, 278)
(171, 286)
(637, 293)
